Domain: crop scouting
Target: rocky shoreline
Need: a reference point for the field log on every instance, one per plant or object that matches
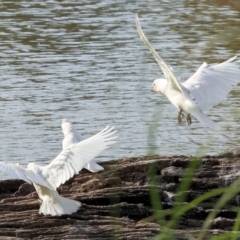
(116, 202)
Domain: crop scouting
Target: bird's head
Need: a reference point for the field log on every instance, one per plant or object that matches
(159, 85)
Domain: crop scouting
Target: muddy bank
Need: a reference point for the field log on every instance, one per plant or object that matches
(116, 202)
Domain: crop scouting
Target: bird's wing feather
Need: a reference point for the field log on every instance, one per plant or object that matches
(16, 171)
(209, 85)
(71, 160)
(172, 80)
(77, 136)
(67, 142)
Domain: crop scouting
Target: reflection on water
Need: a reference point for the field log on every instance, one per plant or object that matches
(84, 61)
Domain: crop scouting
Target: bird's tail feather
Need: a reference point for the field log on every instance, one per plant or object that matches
(57, 206)
(205, 120)
(93, 167)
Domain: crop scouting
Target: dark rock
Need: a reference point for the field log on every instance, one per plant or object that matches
(230, 153)
(116, 203)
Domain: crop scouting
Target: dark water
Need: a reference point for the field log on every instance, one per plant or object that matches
(84, 61)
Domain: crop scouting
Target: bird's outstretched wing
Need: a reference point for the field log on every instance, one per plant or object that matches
(172, 80)
(71, 160)
(16, 171)
(71, 136)
(209, 85)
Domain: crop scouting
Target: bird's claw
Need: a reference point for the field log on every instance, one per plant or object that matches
(180, 116)
(189, 120)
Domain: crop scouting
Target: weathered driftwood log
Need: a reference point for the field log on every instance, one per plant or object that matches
(116, 202)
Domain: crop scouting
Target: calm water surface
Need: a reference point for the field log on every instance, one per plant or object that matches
(84, 61)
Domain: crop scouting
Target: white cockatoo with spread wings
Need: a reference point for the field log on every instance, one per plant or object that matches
(70, 161)
(207, 87)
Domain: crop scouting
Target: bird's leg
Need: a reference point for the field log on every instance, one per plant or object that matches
(180, 116)
(189, 120)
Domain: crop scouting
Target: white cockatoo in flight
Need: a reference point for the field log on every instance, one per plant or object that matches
(70, 161)
(71, 136)
(207, 87)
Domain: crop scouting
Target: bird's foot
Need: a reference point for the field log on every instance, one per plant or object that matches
(180, 116)
(189, 120)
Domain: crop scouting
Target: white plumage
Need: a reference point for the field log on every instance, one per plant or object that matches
(209, 85)
(71, 136)
(70, 161)
(203, 90)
